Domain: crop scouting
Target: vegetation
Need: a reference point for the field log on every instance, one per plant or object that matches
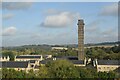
(62, 68)
(95, 52)
(11, 73)
(58, 69)
(10, 54)
(103, 53)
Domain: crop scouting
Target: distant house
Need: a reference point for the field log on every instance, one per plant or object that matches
(47, 56)
(106, 65)
(59, 48)
(43, 62)
(28, 57)
(76, 49)
(34, 62)
(3, 58)
(17, 65)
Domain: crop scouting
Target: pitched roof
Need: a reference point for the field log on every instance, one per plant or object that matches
(67, 57)
(77, 61)
(29, 56)
(73, 58)
(14, 64)
(108, 62)
(73, 61)
(44, 61)
(32, 61)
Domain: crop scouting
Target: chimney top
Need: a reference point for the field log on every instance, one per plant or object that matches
(80, 22)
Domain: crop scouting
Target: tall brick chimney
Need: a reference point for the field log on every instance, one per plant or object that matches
(81, 39)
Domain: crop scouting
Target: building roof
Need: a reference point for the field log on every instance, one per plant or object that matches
(77, 61)
(29, 56)
(73, 61)
(108, 62)
(67, 57)
(59, 48)
(72, 58)
(45, 61)
(32, 61)
(14, 64)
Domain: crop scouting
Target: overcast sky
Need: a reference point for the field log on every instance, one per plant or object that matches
(25, 23)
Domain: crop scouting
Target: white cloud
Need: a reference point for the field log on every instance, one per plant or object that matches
(60, 20)
(16, 5)
(94, 33)
(102, 36)
(7, 16)
(110, 10)
(9, 31)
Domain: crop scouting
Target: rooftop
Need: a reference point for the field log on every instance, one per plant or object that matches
(29, 56)
(14, 64)
(67, 57)
(32, 61)
(108, 62)
(44, 61)
(77, 61)
(72, 59)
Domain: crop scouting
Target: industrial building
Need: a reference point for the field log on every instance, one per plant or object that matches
(106, 65)
(28, 57)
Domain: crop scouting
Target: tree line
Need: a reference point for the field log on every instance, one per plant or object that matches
(95, 52)
(59, 69)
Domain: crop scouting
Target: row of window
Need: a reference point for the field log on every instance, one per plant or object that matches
(106, 67)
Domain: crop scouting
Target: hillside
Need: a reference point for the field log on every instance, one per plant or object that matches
(48, 47)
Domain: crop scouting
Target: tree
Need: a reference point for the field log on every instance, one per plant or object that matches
(34, 53)
(86, 73)
(10, 54)
(11, 73)
(31, 74)
(62, 69)
(106, 75)
(43, 72)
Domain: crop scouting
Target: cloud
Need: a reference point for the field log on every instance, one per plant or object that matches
(102, 36)
(93, 27)
(51, 11)
(33, 36)
(94, 33)
(62, 19)
(9, 31)
(110, 10)
(7, 16)
(109, 32)
(0, 5)
(16, 5)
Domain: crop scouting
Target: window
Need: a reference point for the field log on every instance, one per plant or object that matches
(107, 67)
(32, 65)
(99, 67)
